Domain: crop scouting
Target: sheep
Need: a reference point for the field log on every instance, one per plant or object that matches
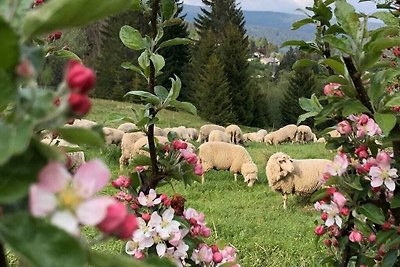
(139, 144)
(218, 136)
(193, 133)
(235, 134)
(182, 133)
(300, 176)
(262, 133)
(74, 159)
(112, 136)
(81, 123)
(158, 131)
(127, 127)
(253, 137)
(284, 134)
(127, 146)
(225, 156)
(304, 134)
(205, 131)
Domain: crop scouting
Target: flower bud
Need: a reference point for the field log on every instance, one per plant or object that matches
(139, 255)
(363, 119)
(79, 78)
(335, 242)
(121, 181)
(140, 168)
(372, 238)
(362, 152)
(191, 158)
(345, 211)
(178, 144)
(330, 190)
(217, 257)
(206, 232)
(344, 127)
(116, 213)
(79, 104)
(386, 226)
(327, 242)
(146, 217)
(214, 248)
(25, 69)
(383, 158)
(193, 221)
(355, 236)
(324, 216)
(319, 230)
(128, 226)
(396, 52)
(167, 202)
(198, 170)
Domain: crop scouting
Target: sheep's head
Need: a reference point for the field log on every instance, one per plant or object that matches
(249, 172)
(268, 139)
(281, 165)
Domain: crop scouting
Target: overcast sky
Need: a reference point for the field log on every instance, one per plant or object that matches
(287, 6)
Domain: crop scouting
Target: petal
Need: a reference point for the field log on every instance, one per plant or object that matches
(155, 219)
(54, 177)
(94, 210)
(41, 201)
(168, 215)
(330, 221)
(390, 184)
(161, 248)
(338, 221)
(392, 173)
(152, 194)
(142, 199)
(375, 172)
(156, 201)
(146, 242)
(90, 178)
(66, 221)
(376, 182)
(131, 247)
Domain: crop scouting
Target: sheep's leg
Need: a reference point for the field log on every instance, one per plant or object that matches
(285, 197)
(202, 178)
(235, 176)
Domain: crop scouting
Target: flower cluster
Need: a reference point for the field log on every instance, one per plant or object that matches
(69, 202)
(359, 182)
(169, 230)
(333, 89)
(186, 153)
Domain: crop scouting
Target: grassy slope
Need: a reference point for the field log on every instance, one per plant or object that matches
(251, 219)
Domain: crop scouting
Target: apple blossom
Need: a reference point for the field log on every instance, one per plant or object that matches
(333, 212)
(149, 200)
(164, 225)
(338, 166)
(339, 199)
(202, 255)
(344, 127)
(70, 201)
(355, 236)
(383, 175)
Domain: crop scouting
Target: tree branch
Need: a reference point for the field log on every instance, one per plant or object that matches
(3, 257)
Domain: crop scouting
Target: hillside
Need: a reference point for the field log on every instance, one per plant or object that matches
(275, 26)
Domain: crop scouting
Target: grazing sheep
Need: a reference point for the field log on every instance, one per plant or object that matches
(139, 144)
(205, 131)
(235, 134)
(253, 137)
(262, 133)
(127, 127)
(193, 133)
(127, 146)
(82, 123)
(225, 156)
(112, 136)
(284, 134)
(182, 133)
(321, 140)
(290, 176)
(218, 136)
(158, 131)
(304, 134)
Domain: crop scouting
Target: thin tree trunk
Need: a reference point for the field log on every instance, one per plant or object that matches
(3, 257)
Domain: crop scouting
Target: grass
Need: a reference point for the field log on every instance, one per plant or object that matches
(251, 219)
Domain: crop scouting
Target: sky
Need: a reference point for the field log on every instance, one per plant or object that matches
(286, 6)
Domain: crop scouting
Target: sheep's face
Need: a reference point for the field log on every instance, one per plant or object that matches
(285, 164)
(268, 139)
(249, 172)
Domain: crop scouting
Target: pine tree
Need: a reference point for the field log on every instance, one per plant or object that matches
(301, 84)
(215, 98)
(291, 56)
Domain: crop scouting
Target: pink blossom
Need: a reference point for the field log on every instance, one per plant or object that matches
(383, 175)
(116, 213)
(198, 170)
(370, 128)
(330, 88)
(333, 212)
(70, 201)
(362, 151)
(344, 127)
(206, 232)
(383, 159)
(339, 199)
(121, 181)
(202, 255)
(178, 144)
(150, 200)
(338, 166)
(355, 236)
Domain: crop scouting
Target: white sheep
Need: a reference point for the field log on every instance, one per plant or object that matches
(193, 133)
(284, 134)
(218, 136)
(304, 134)
(82, 123)
(235, 134)
(262, 133)
(253, 137)
(127, 146)
(142, 142)
(299, 176)
(112, 136)
(127, 127)
(225, 156)
(205, 131)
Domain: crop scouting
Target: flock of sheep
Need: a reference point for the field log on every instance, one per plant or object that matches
(221, 149)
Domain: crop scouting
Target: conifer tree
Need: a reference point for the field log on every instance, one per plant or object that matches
(301, 84)
(216, 103)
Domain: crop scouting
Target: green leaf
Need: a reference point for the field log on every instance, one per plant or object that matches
(347, 17)
(141, 160)
(161, 92)
(301, 63)
(372, 212)
(395, 101)
(81, 136)
(383, 236)
(8, 89)
(343, 44)
(47, 244)
(15, 181)
(132, 38)
(387, 17)
(175, 88)
(99, 259)
(318, 195)
(65, 54)
(384, 43)
(75, 13)
(305, 116)
(148, 97)
(144, 60)
(9, 47)
(395, 203)
(353, 106)
(301, 23)
(130, 66)
(168, 8)
(386, 121)
(185, 106)
(175, 41)
(158, 61)
(389, 259)
(336, 65)
(295, 43)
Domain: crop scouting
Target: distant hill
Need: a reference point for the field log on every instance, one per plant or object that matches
(274, 26)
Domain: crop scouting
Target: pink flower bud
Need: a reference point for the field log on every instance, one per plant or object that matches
(206, 232)
(362, 151)
(134, 206)
(327, 242)
(25, 69)
(193, 221)
(383, 158)
(319, 230)
(166, 148)
(344, 127)
(163, 197)
(214, 248)
(386, 226)
(355, 236)
(191, 158)
(39, 2)
(324, 216)
(121, 181)
(178, 144)
(217, 257)
(198, 170)
(128, 197)
(396, 52)
(128, 226)
(339, 199)
(140, 168)
(345, 211)
(79, 78)
(167, 202)
(139, 255)
(372, 238)
(330, 190)
(116, 213)
(363, 119)
(79, 104)
(196, 230)
(329, 88)
(146, 217)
